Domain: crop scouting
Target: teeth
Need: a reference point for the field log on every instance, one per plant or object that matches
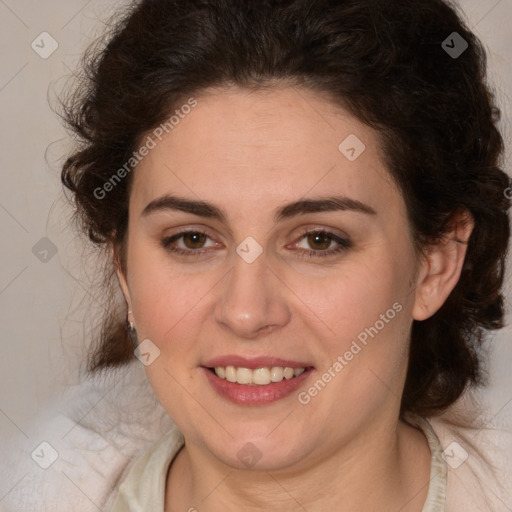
(288, 373)
(244, 376)
(230, 373)
(259, 376)
(276, 374)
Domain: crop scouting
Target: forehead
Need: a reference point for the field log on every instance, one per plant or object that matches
(264, 146)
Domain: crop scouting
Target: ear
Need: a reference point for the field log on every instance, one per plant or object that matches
(116, 258)
(441, 267)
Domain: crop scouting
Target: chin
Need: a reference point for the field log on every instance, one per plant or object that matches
(258, 452)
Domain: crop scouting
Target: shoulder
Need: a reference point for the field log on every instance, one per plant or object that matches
(74, 454)
(477, 449)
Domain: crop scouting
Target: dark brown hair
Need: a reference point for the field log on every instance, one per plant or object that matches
(384, 61)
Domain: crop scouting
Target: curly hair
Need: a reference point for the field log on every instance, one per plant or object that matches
(387, 64)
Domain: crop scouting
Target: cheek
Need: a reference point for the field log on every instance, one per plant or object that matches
(166, 309)
(162, 298)
(354, 296)
(362, 319)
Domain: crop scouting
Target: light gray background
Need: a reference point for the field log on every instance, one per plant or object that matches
(43, 305)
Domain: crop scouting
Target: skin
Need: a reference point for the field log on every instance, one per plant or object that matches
(250, 153)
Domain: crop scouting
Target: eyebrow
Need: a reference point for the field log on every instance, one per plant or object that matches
(301, 207)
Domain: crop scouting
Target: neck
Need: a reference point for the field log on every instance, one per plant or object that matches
(380, 470)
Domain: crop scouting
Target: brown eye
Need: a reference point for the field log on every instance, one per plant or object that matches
(189, 243)
(318, 244)
(320, 241)
(194, 240)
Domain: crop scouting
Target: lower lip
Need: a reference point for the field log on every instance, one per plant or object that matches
(255, 395)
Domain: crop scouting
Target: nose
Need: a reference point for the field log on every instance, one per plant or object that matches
(253, 300)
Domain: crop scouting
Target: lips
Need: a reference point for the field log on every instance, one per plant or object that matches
(249, 393)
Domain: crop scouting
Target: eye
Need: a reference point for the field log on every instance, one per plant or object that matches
(323, 243)
(189, 243)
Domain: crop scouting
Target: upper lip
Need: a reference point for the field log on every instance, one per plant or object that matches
(253, 362)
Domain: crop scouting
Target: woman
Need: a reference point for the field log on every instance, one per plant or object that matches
(308, 223)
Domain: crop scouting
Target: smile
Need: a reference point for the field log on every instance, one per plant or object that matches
(255, 381)
(257, 377)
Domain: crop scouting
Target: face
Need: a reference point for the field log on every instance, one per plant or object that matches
(258, 238)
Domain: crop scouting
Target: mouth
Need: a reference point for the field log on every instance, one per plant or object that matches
(258, 376)
(257, 381)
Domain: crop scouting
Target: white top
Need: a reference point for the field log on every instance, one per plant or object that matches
(108, 440)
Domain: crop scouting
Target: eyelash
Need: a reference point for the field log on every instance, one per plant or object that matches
(343, 244)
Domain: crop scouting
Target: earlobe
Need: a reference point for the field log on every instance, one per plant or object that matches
(441, 267)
